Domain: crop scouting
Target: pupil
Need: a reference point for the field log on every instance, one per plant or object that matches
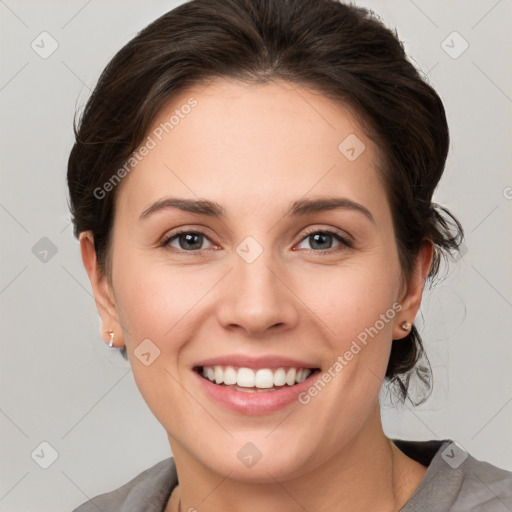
(322, 236)
(189, 240)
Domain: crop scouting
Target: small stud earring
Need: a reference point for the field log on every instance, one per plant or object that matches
(111, 344)
(405, 325)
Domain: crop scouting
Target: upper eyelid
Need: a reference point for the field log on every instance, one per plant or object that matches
(336, 231)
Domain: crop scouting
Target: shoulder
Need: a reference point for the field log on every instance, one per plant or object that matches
(148, 491)
(484, 487)
(455, 480)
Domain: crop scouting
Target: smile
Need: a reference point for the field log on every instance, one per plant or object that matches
(254, 380)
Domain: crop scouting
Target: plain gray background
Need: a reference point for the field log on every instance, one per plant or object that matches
(60, 384)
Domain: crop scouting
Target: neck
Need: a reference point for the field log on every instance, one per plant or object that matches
(368, 473)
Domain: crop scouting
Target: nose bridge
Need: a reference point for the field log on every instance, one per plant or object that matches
(256, 298)
(252, 266)
(253, 273)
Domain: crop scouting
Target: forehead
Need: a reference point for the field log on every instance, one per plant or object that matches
(252, 145)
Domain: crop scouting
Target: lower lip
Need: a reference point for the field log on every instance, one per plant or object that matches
(255, 403)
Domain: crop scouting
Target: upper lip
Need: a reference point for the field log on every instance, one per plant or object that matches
(246, 361)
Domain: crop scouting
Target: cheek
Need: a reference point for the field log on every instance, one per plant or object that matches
(356, 309)
(155, 303)
(350, 297)
(152, 298)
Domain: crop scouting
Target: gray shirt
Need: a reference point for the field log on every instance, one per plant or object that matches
(454, 482)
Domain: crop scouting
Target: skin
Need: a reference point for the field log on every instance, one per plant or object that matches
(254, 149)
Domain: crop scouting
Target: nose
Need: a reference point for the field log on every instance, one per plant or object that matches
(256, 298)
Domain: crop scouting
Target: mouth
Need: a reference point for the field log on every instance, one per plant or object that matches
(252, 380)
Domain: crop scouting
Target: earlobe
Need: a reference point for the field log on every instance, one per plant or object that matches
(411, 299)
(101, 289)
(405, 325)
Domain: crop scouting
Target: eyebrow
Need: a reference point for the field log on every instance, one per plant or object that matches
(298, 208)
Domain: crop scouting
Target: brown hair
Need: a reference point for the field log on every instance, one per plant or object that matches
(340, 50)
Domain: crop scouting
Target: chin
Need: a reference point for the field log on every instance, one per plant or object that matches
(259, 461)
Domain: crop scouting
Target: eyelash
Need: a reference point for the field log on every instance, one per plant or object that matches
(343, 240)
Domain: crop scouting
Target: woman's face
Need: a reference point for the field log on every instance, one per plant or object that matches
(256, 288)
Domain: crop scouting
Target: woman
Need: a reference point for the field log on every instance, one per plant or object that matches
(221, 142)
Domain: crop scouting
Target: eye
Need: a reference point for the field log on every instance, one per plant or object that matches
(189, 241)
(192, 241)
(321, 239)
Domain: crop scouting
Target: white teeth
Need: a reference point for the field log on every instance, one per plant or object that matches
(305, 375)
(219, 375)
(230, 375)
(245, 378)
(290, 376)
(264, 378)
(279, 377)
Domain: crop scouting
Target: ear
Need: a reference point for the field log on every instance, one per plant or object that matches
(413, 289)
(102, 291)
